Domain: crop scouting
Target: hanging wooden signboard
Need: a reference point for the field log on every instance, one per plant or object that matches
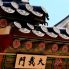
(30, 61)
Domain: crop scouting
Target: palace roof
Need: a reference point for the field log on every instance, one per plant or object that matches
(25, 17)
(42, 31)
(67, 17)
(22, 11)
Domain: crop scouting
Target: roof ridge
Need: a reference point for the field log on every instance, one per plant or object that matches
(62, 20)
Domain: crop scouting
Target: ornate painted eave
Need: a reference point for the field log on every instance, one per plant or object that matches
(40, 31)
(24, 16)
(11, 9)
(43, 32)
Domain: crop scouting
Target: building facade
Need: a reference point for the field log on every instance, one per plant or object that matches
(23, 31)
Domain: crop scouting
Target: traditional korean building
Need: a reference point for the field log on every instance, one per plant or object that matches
(24, 30)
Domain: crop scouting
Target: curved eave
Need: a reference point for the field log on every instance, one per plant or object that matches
(24, 30)
(62, 34)
(8, 9)
(40, 31)
(20, 14)
(31, 34)
(51, 34)
(22, 11)
(33, 10)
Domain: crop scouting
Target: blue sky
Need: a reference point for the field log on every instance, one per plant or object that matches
(57, 9)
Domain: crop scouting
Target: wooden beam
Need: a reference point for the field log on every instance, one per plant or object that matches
(55, 56)
(51, 56)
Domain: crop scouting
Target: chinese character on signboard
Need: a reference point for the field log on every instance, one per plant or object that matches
(30, 61)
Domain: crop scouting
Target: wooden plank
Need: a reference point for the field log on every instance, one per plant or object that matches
(55, 56)
(8, 54)
(51, 56)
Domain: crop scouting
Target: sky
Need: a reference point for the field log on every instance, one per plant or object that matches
(57, 9)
